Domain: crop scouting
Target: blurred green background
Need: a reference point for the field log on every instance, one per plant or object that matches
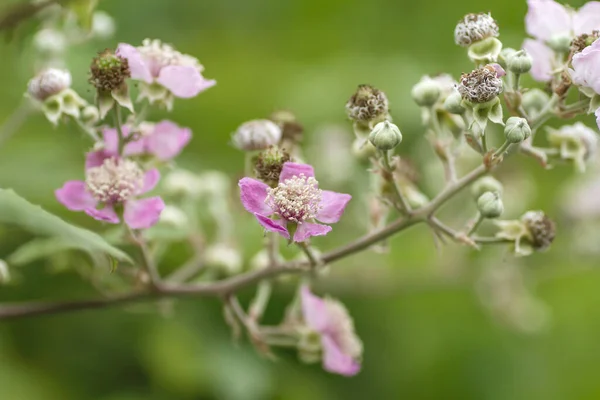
(427, 329)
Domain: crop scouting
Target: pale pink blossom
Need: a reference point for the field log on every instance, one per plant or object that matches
(341, 347)
(586, 68)
(296, 200)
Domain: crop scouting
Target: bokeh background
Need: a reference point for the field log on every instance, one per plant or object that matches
(436, 324)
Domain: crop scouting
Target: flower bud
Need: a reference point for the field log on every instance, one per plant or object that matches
(486, 184)
(520, 62)
(453, 103)
(481, 85)
(182, 183)
(269, 164)
(109, 71)
(490, 205)
(426, 92)
(48, 83)
(541, 228)
(90, 115)
(505, 55)
(103, 25)
(560, 43)
(516, 130)
(474, 28)
(258, 134)
(224, 257)
(173, 216)
(50, 41)
(385, 136)
(367, 104)
(534, 100)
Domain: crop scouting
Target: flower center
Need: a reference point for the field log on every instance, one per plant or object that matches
(159, 55)
(296, 199)
(115, 181)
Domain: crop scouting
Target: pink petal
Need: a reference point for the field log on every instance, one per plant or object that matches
(183, 81)
(587, 19)
(307, 229)
(598, 117)
(291, 169)
(314, 310)
(332, 206)
(546, 18)
(585, 70)
(142, 214)
(500, 72)
(273, 225)
(253, 194)
(107, 214)
(74, 196)
(334, 360)
(167, 140)
(96, 158)
(136, 147)
(138, 67)
(542, 59)
(150, 180)
(111, 139)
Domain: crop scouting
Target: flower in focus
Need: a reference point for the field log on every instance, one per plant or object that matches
(163, 140)
(576, 143)
(481, 85)
(52, 88)
(534, 231)
(164, 72)
(289, 208)
(112, 188)
(554, 27)
(586, 73)
(258, 134)
(341, 348)
(368, 105)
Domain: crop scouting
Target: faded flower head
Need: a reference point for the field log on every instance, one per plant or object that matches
(577, 143)
(49, 82)
(294, 203)
(269, 164)
(534, 231)
(367, 104)
(481, 85)
(258, 134)
(115, 181)
(341, 348)
(474, 28)
(109, 71)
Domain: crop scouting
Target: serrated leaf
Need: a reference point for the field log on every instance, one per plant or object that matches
(15, 210)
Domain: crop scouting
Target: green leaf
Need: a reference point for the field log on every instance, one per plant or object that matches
(15, 210)
(39, 248)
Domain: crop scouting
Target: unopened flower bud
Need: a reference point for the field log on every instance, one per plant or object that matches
(109, 71)
(426, 93)
(474, 28)
(224, 257)
(541, 228)
(103, 25)
(520, 62)
(50, 41)
(367, 104)
(560, 43)
(453, 103)
(490, 205)
(258, 134)
(90, 115)
(505, 55)
(385, 136)
(486, 184)
(534, 100)
(516, 130)
(49, 83)
(269, 164)
(481, 85)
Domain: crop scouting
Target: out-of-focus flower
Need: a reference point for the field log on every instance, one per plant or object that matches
(474, 28)
(50, 41)
(164, 72)
(576, 143)
(111, 187)
(103, 25)
(258, 134)
(295, 202)
(534, 231)
(174, 216)
(163, 140)
(586, 72)
(341, 348)
(182, 182)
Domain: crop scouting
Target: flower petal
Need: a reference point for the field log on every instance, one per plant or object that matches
(74, 196)
(150, 180)
(598, 117)
(334, 360)
(314, 310)
(307, 229)
(167, 140)
(291, 169)
(183, 81)
(253, 194)
(332, 206)
(542, 59)
(547, 18)
(585, 70)
(107, 214)
(272, 225)
(144, 213)
(96, 158)
(587, 19)
(137, 65)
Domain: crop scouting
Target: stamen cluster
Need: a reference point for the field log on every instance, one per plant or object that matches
(296, 199)
(115, 181)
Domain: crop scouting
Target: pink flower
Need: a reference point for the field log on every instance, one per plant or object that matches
(114, 183)
(598, 117)
(297, 200)
(342, 349)
(163, 140)
(158, 63)
(548, 20)
(586, 68)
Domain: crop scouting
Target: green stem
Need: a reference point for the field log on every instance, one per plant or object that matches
(505, 146)
(476, 224)
(404, 206)
(118, 125)
(484, 145)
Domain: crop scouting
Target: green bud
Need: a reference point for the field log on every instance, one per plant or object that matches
(486, 184)
(426, 92)
(534, 100)
(520, 62)
(453, 103)
(490, 205)
(504, 56)
(516, 130)
(385, 136)
(560, 43)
